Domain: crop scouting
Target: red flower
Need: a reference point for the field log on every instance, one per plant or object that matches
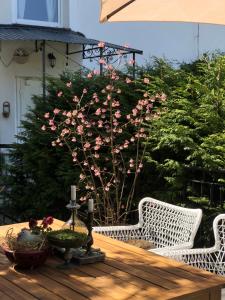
(44, 223)
(49, 220)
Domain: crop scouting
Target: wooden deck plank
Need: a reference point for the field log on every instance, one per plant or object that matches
(93, 288)
(28, 284)
(14, 291)
(4, 296)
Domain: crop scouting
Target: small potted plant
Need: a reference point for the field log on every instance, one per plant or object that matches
(67, 239)
(29, 248)
(21, 56)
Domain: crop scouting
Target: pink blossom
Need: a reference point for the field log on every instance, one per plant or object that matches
(128, 80)
(145, 94)
(96, 155)
(53, 144)
(128, 171)
(89, 75)
(85, 163)
(46, 115)
(100, 124)
(146, 80)
(69, 84)
(80, 115)
(82, 176)
(101, 44)
(118, 91)
(75, 99)
(51, 122)
(128, 117)
(98, 140)
(67, 121)
(43, 127)
(132, 139)
(101, 61)
(60, 94)
(131, 62)
(98, 112)
(134, 111)
(96, 72)
(74, 154)
(73, 139)
(74, 113)
(118, 114)
(97, 172)
(64, 131)
(80, 129)
(96, 148)
(87, 145)
(53, 128)
(56, 111)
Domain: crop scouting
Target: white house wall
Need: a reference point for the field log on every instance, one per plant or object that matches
(32, 69)
(175, 41)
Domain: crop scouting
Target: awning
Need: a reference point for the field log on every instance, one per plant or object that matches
(196, 11)
(67, 36)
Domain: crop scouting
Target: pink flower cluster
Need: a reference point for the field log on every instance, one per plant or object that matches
(98, 133)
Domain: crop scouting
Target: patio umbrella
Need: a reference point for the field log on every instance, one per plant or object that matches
(197, 11)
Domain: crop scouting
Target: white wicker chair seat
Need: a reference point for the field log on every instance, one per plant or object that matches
(165, 225)
(209, 259)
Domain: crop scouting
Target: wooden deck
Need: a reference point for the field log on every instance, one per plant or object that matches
(128, 273)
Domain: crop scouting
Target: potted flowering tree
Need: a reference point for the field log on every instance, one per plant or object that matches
(105, 142)
(28, 248)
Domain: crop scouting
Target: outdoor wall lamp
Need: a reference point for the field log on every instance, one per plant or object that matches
(6, 109)
(52, 59)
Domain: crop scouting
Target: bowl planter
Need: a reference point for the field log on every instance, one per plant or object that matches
(26, 259)
(67, 238)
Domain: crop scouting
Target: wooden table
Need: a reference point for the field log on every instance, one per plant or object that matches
(128, 273)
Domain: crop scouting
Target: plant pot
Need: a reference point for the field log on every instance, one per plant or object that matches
(21, 59)
(27, 259)
(69, 242)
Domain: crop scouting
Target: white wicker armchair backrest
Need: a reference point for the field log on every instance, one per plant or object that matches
(166, 224)
(219, 232)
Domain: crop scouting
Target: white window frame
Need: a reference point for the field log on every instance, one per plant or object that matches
(35, 22)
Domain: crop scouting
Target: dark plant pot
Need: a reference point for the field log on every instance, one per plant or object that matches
(27, 259)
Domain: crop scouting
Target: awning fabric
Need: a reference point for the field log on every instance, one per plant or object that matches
(196, 11)
(38, 33)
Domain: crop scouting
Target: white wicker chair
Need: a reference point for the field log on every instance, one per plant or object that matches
(167, 226)
(209, 259)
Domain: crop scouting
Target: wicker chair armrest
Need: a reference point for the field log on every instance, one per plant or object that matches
(169, 249)
(180, 254)
(119, 232)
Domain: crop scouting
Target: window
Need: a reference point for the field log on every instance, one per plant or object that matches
(40, 12)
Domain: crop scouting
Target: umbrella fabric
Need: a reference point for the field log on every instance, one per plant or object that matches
(197, 11)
